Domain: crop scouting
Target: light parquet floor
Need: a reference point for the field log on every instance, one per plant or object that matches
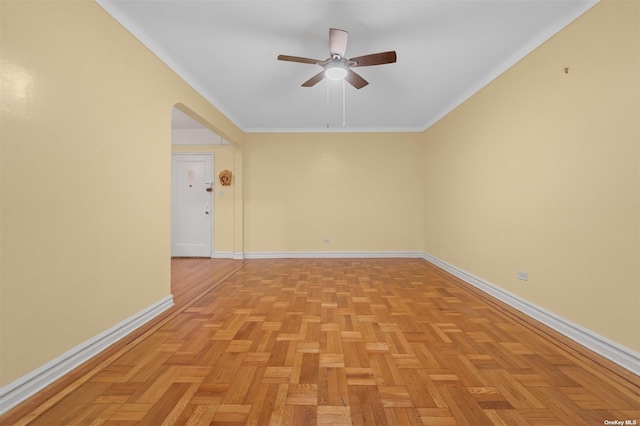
(340, 342)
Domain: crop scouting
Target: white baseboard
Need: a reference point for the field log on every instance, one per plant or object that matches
(238, 256)
(621, 355)
(333, 255)
(26, 386)
(222, 255)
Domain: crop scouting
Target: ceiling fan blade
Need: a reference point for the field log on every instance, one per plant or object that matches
(355, 80)
(314, 80)
(374, 59)
(298, 59)
(338, 41)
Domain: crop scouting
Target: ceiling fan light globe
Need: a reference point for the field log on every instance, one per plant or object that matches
(335, 72)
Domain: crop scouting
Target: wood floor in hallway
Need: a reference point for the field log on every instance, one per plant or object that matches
(339, 342)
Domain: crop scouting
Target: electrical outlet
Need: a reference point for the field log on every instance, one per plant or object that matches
(522, 275)
(325, 241)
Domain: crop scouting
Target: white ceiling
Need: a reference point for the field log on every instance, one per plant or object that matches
(447, 50)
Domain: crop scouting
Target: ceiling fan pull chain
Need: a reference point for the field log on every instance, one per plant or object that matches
(328, 103)
(344, 113)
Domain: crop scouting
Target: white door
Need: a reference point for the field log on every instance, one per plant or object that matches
(191, 204)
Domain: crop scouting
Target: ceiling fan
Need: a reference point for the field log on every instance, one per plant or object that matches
(337, 67)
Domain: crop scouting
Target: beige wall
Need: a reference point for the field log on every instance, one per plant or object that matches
(361, 191)
(222, 204)
(85, 197)
(540, 172)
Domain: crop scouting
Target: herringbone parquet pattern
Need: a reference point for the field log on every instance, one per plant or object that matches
(342, 341)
